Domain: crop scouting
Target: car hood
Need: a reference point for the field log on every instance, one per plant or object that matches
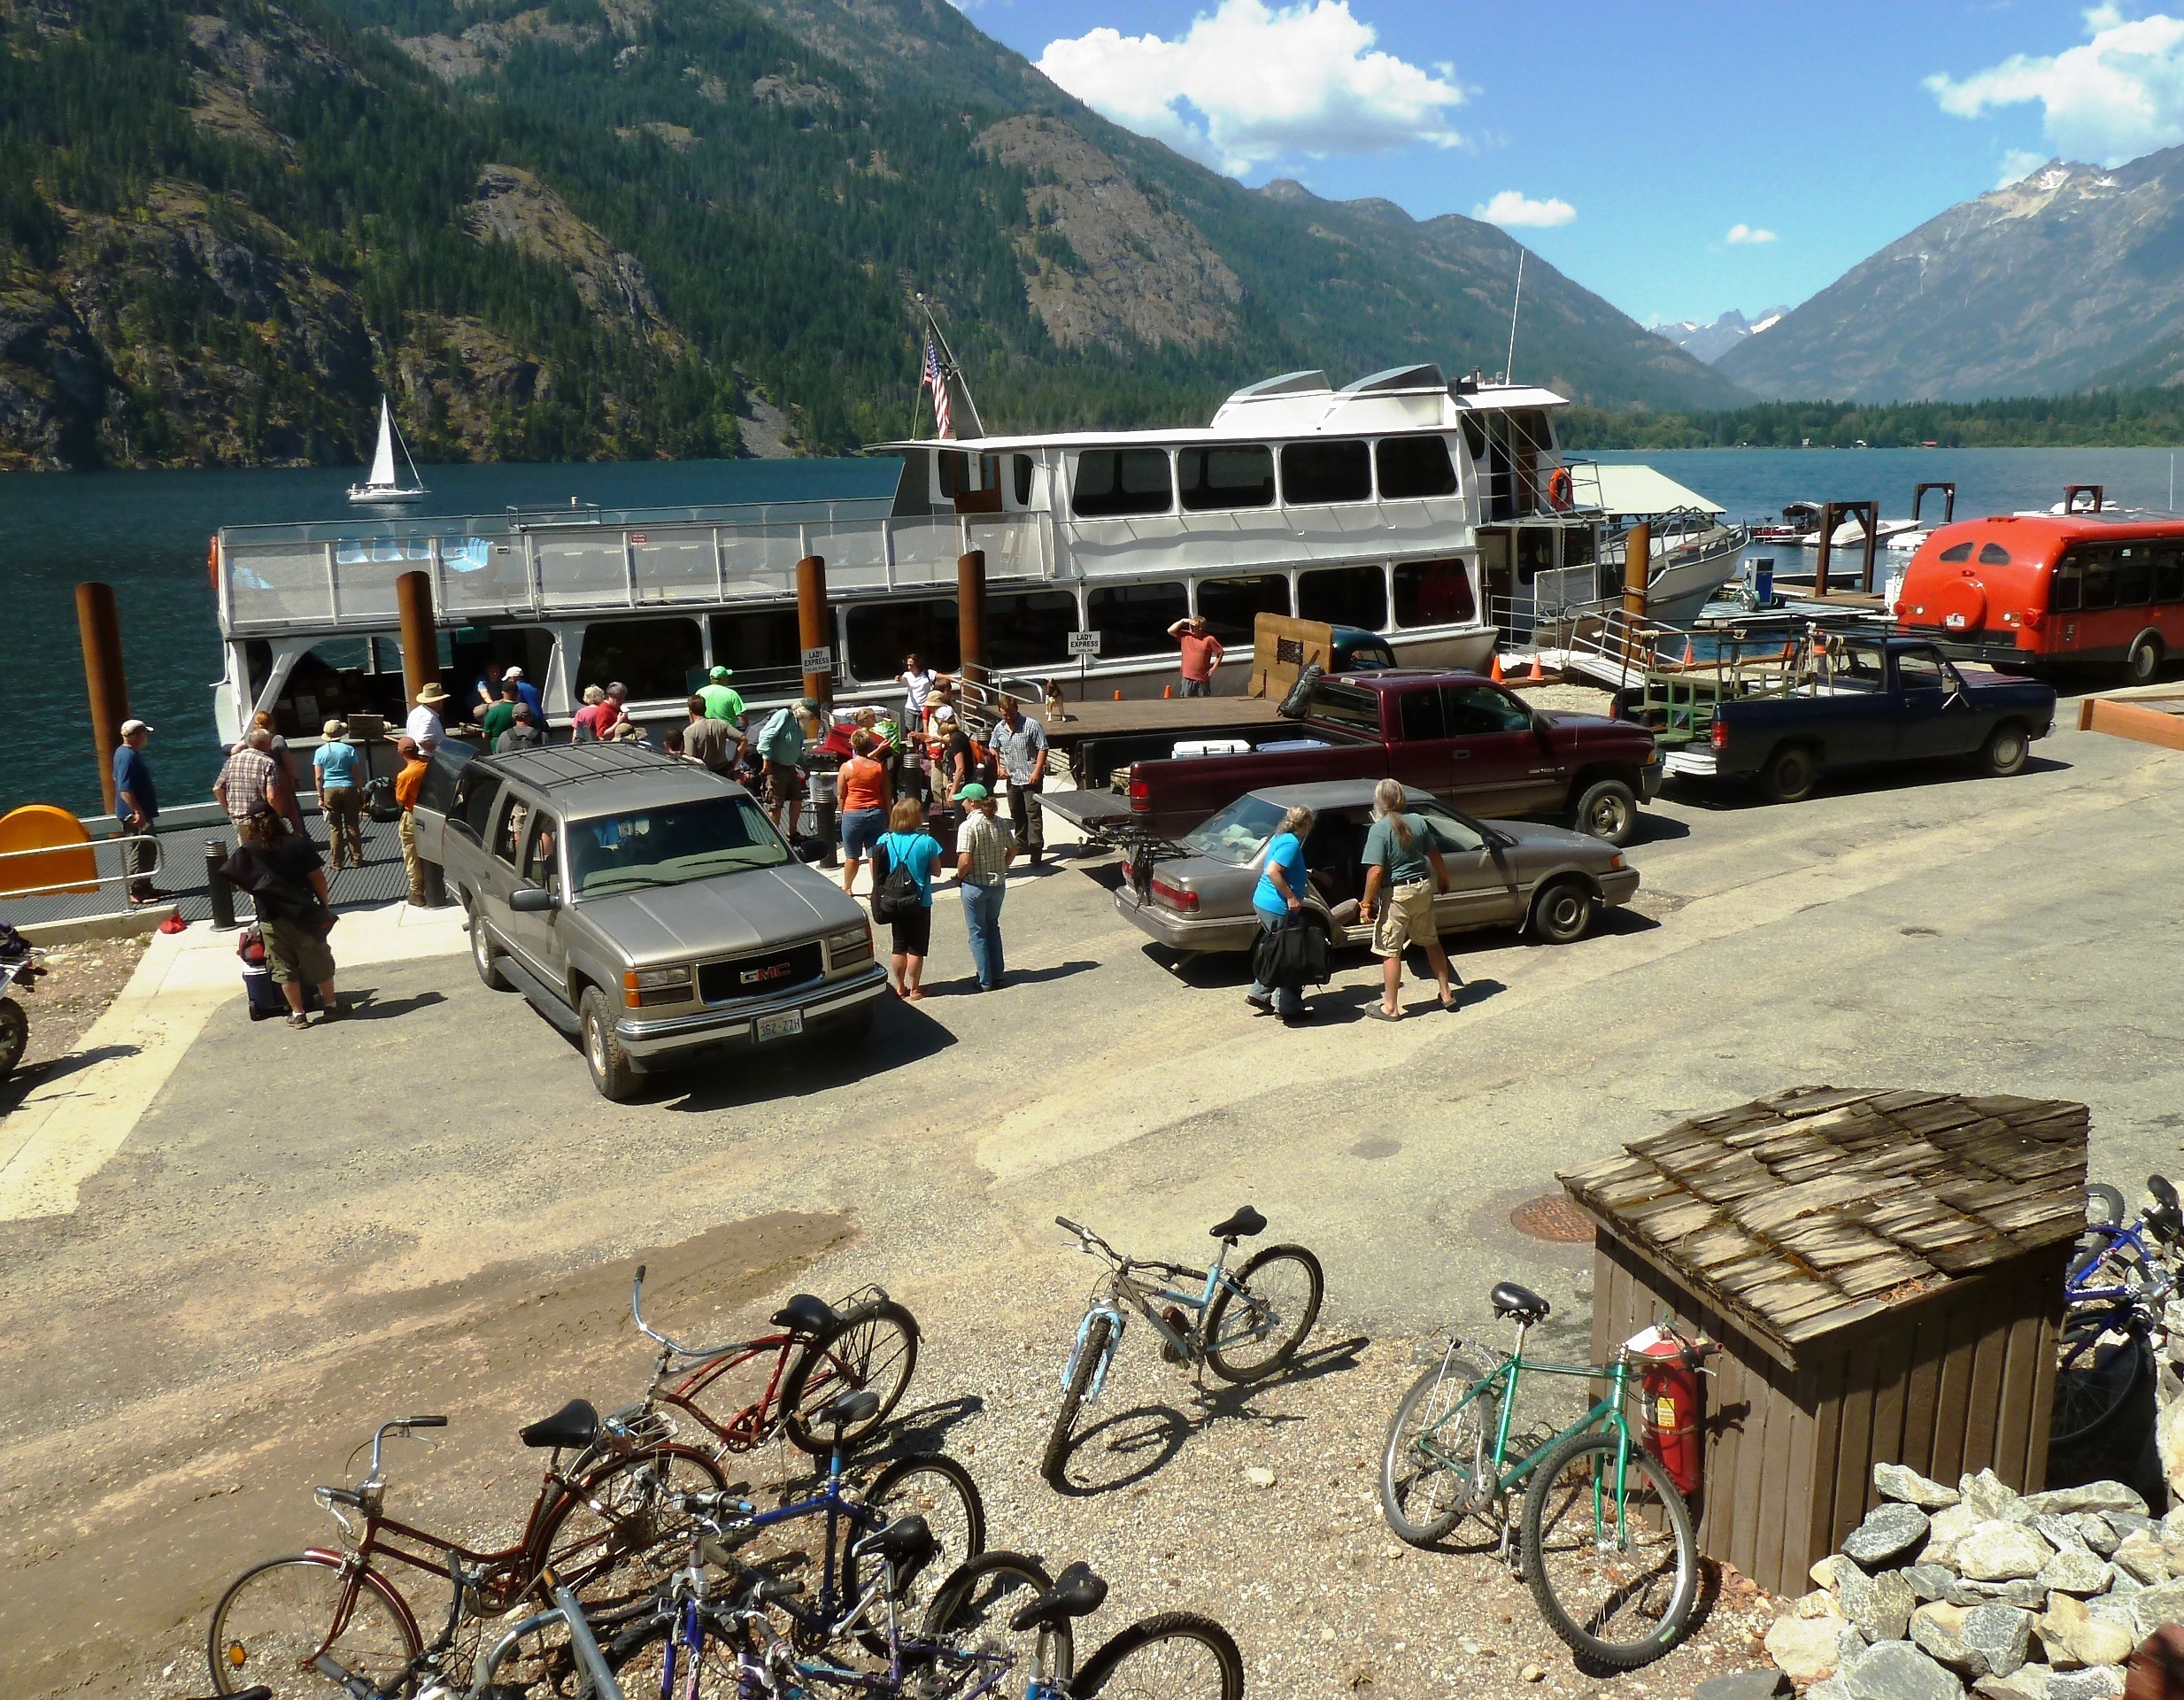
(721, 917)
(1531, 835)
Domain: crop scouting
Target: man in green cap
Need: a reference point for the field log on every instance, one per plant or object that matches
(984, 850)
(722, 700)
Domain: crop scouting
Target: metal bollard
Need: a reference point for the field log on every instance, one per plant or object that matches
(819, 789)
(217, 887)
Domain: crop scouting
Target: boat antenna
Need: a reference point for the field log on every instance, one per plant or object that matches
(1509, 372)
(950, 369)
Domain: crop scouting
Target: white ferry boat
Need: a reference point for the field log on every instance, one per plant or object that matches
(1403, 504)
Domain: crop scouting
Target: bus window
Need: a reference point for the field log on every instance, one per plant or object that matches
(1994, 555)
(2066, 592)
(2100, 576)
(1957, 552)
(2134, 577)
(2169, 575)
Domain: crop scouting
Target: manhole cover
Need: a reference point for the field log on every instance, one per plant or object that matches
(1552, 1217)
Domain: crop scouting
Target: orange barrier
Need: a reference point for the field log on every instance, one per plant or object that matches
(68, 856)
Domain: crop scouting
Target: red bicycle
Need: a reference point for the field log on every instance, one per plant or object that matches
(614, 1503)
(866, 1344)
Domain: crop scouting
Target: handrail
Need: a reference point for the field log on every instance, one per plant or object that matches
(75, 887)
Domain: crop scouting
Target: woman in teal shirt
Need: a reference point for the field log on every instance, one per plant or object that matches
(1280, 895)
(340, 801)
(908, 846)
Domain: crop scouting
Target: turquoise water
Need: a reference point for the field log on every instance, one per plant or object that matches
(145, 534)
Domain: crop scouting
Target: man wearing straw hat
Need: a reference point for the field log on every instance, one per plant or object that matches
(423, 725)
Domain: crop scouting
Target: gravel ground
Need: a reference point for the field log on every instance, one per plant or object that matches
(84, 979)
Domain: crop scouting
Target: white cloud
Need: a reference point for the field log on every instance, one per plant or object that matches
(1511, 208)
(2018, 164)
(1748, 235)
(2119, 95)
(1248, 82)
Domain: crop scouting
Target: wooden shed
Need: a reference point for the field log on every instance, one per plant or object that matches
(1884, 1270)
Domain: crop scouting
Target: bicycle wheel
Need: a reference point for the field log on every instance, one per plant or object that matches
(617, 1537)
(967, 1641)
(1088, 1359)
(2094, 1379)
(940, 1490)
(1176, 1656)
(277, 1617)
(1616, 1582)
(639, 1657)
(1436, 1464)
(872, 1349)
(1252, 1333)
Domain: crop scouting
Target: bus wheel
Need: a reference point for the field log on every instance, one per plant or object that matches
(2141, 665)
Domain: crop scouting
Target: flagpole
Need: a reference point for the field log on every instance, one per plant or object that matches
(948, 354)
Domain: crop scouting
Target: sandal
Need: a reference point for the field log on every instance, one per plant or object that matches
(1378, 1014)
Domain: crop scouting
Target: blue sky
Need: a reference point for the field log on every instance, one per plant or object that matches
(1626, 142)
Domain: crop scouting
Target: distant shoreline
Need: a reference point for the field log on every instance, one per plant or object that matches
(2136, 419)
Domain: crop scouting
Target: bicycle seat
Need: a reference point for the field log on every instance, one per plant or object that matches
(576, 1425)
(906, 1542)
(806, 1315)
(846, 1411)
(1511, 1300)
(1075, 1594)
(1246, 1223)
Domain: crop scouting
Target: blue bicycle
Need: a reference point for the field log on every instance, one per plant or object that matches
(1246, 1325)
(2113, 1295)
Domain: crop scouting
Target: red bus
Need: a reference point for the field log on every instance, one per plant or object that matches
(2038, 594)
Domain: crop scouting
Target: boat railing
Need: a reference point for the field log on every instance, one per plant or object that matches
(333, 578)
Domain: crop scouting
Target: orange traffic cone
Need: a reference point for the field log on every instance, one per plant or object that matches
(1168, 693)
(1536, 674)
(1495, 673)
(1118, 696)
(1690, 654)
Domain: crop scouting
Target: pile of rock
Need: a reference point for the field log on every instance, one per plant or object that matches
(1978, 1588)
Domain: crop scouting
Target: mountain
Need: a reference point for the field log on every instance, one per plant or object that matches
(666, 228)
(1709, 342)
(2073, 275)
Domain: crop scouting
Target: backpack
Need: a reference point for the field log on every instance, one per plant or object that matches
(897, 897)
(1297, 703)
(379, 801)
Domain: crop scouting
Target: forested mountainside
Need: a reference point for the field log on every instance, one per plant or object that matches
(664, 228)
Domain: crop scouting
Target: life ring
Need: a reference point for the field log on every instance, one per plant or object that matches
(1560, 490)
(211, 561)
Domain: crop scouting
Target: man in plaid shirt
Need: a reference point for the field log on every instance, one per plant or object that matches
(984, 850)
(250, 776)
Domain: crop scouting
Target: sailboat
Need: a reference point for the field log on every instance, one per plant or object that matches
(382, 485)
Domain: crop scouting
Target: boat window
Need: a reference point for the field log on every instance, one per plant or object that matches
(1316, 473)
(1238, 832)
(1535, 553)
(953, 466)
(1994, 554)
(1113, 483)
(1421, 717)
(2100, 576)
(2168, 575)
(1577, 545)
(1233, 606)
(654, 657)
(882, 633)
(1450, 833)
(1238, 475)
(670, 844)
(1957, 552)
(338, 678)
(1432, 593)
(1030, 629)
(2134, 577)
(762, 648)
(1347, 705)
(1344, 595)
(1473, 709)
(1134, 619)
(1415, 466)
(2067, 591)
(1020, 466)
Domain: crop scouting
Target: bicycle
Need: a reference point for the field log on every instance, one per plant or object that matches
(599, 1513)
(866, 1342)
(2113, 1293)
(1273, 1302)
(1606, 1542)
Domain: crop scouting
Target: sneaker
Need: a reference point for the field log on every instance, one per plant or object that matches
(334, 1011)
(1264, 1006)
(299, 1021)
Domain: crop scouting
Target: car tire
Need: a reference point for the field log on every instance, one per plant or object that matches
(2004, 751)
(1790, 775)
(2142, 662)
(485, 958)
(613, 1074)
(1608, 810)
(1562, 913)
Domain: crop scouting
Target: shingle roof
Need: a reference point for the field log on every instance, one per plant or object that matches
(1821, 1207)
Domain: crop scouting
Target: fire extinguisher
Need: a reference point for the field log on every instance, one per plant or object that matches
(1670, 1403)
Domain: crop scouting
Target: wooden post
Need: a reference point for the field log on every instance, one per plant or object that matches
(814, 624)
(1637, 565)
(1830, 514)
(99, 624)
(970, 615)
(420, 638)
(1870, 517)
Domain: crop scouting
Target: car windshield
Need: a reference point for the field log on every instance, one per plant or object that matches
(670, 844)
(1238, 832)
(1372, 657)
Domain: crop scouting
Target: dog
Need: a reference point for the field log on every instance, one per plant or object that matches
(1056, 710)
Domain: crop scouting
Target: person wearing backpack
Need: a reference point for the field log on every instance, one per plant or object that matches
(780, 747)
(902, 892)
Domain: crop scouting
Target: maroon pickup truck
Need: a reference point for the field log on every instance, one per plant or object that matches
(1467, 740)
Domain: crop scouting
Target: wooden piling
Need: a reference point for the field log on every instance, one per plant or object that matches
(971, 614)
(1637, 566)
(420, 636)
(814, 624)
(98, 621)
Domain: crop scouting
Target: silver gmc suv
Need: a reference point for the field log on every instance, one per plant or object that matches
(647, 908)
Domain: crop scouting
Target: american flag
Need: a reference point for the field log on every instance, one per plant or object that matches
(937, 380)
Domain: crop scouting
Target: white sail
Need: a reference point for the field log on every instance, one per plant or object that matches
(382, 463)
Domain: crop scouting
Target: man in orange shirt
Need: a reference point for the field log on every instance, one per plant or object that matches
(1202, 655)
(862, 793)
(405, 787)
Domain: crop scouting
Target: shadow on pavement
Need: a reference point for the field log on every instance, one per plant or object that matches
(901, 1032)
(366, 1004)
(1720, 796)
(18, 1085)
(1656, 829)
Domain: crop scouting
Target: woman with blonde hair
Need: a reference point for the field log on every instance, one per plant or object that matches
(909, 847)
(1402, 855)
(1279, 903)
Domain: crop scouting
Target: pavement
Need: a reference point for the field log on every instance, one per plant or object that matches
(245, 1244)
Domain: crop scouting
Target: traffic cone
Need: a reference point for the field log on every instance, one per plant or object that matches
(1690, 654)
(1495, 673)
(1538, 673)
(1168, 693)
(1118, 696)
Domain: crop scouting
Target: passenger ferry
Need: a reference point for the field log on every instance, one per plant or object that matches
(1407, 505)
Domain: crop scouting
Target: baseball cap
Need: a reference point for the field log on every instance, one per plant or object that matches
(129, 727)
(944, 713)
(810, 705)
(974, 792)
(720, 673)
(513, 673)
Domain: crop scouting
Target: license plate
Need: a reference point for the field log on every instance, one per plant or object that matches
(788, 1024)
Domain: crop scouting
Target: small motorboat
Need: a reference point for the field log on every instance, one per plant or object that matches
(382, 486)
(1799, 521)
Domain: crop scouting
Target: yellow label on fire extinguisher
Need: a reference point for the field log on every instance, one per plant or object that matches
(1664, 1412)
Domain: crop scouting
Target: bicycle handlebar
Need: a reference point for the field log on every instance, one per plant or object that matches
(1087, 1239)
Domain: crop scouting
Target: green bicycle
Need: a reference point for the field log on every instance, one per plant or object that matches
(1606, 1542)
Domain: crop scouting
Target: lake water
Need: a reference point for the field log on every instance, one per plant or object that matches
(145, 533)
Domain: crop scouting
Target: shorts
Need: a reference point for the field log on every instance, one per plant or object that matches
(1198, 687)
(1406, 918)
(782, 787)
(293, 954)
(914, 932)
(860, 830)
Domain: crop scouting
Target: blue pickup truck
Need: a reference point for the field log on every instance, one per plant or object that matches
(1862, 702)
